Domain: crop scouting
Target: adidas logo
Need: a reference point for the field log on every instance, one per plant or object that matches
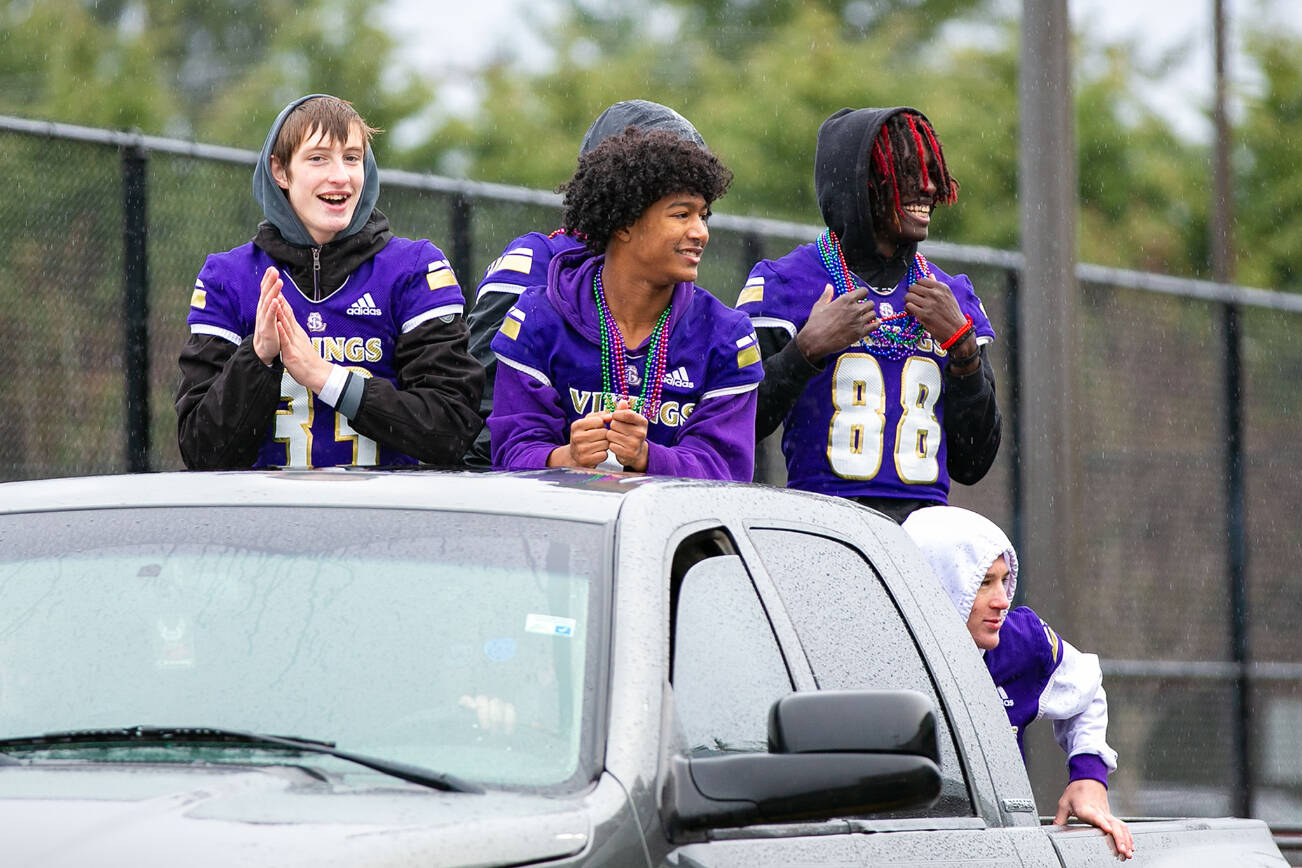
(678, 379)
(364, 306)
(1008, 702)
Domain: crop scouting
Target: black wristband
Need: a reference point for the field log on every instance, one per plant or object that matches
(966, 360)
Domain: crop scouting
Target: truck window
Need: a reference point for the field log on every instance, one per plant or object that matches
(727, 669)
(854, 635)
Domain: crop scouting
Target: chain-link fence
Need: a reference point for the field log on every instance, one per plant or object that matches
(1184, 461)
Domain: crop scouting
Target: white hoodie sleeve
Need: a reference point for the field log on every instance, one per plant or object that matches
(1075, 701)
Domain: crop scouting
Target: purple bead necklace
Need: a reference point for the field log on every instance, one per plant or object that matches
(891, 340)
(614, 365)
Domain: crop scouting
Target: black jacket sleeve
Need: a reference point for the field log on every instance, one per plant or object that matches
(432, 413)
(973, 425)
(484, 320)
(786, 373)
(226, 400)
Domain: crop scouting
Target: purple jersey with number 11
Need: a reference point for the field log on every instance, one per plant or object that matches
(865, 425)
(405, 284)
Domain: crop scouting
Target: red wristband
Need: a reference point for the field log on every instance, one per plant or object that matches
(958, 335)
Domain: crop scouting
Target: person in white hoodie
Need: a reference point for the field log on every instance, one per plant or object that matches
(1036, 672)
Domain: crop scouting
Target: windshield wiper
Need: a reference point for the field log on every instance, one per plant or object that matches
(211, 735)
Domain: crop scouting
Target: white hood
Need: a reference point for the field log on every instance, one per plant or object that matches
(961, 545)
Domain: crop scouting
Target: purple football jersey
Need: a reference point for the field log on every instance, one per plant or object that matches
(524, 262)
(405, 284)
(1022, 664)
(865, 425)
(550, 374)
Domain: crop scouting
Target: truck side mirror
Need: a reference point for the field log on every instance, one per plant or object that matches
(831, 753)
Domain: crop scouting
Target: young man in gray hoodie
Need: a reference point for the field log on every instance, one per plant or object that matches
(326, 340)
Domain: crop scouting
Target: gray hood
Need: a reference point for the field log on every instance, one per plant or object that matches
(275, 205)
(640, 113)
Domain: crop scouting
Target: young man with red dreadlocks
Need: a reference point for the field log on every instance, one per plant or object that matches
(874, 359)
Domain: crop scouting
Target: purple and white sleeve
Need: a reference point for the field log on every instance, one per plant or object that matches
(1075, 701)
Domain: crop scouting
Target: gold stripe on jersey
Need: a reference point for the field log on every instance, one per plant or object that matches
(752, 291)
(1055, 646)
(748, 356)
(199, 298)
(511, 323)
(440, 275)
(520, 260)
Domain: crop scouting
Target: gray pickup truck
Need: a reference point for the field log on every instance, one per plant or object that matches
(557, 668)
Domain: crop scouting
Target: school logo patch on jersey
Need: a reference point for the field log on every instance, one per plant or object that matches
(440, 274)
(315, 323)
(519, 260)
(752, 291)
(364, 306)
(747, 351)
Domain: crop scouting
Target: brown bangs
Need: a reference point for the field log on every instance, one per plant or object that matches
(327, 114)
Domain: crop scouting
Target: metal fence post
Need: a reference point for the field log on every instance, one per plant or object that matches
(752, 251)
(1047, 304)
(135, 305)
(1223, 270)
(462, 220)
(770, 466)
(1236, 553)
(1012, 415)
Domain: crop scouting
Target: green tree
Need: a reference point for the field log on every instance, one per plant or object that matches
(757, 101)
(759, 108)
(60, 62)
(1268, 204)
(213, 71)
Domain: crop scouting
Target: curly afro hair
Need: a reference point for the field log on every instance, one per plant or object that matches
(627, 173)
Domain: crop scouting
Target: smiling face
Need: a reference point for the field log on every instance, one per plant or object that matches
(666, 242)
(907, 180)
(908, 222)
(990, 606)
(324, 181)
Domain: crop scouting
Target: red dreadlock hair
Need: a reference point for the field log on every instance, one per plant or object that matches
(897, 151)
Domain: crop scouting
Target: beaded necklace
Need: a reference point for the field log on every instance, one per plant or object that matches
(891, 340)
(613, 360)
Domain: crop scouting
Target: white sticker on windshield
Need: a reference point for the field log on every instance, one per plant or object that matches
(550, 625)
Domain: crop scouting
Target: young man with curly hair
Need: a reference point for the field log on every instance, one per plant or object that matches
(620, 361)
(523, 262)
(875, 359)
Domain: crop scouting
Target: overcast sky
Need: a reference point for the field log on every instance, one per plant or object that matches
(452, 42)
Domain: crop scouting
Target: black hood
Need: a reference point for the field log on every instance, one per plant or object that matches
(842, 167)
(336, 259)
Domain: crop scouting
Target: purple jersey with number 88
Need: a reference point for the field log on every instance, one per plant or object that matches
(865, 425)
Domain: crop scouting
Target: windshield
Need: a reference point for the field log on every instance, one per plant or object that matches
(456, 642)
